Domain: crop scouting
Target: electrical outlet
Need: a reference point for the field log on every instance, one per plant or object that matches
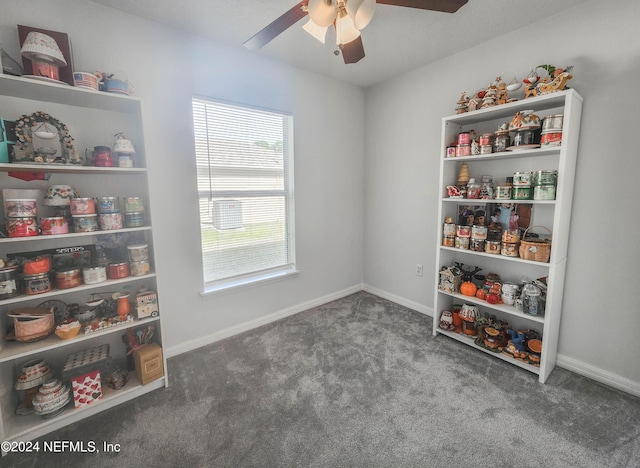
(418, 270)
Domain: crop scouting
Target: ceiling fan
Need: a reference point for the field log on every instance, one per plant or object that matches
(348, 17)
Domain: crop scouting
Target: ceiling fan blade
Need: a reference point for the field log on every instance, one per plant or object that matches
(446, 6)
(353, 51)
(277, 27)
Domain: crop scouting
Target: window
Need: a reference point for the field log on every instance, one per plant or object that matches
(244, 158)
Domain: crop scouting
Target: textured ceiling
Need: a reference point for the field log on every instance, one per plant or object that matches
(397, 40)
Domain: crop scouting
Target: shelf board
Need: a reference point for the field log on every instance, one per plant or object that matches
(82, 287)
(72, 235)
(61, 93)
(537, 103)
(501, 257)
(507, 309)
(70, 169)
(543, 151)
(16, 350)
(469, 341)
(32, 426)
(484, 201)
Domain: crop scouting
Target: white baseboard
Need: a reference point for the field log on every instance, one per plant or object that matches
(599, 375)
(423, 309)
(246, 326)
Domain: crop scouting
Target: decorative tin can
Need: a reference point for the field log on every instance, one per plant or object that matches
(511, 235)
(138, 252)
(8, 284)
(522, 193)
(462, 243)
(503, 192)
(463, 231)
(463, 150)
(135, 219)
(20, 208)
(110, 221)
(551, 139)
(544, 192)
(477, 245)
(552, 122)
(545, 177)
(82, 206)
(464, 138)
(449, 241)
(36, 284)
(133, 204)
(522, 179)
(94, 275)
(85, 223)
(68, 278)
(479, 232)
(54, 225)
(108, 205)
(22, 227)
(509, 249)
(118, 270)
(451, 152)
(492, 247)
(139, 268)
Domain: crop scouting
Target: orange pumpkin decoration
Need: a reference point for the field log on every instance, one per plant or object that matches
(481, 293)
(468, 288)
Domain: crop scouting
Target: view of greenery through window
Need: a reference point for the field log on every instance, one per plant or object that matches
(243, 159)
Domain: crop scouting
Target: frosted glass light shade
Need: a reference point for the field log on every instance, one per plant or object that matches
(40, 47)
(345, 30)
(319, 32)
(321, 12)
(361, 12)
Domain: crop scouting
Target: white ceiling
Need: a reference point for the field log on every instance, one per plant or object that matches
(397, 40)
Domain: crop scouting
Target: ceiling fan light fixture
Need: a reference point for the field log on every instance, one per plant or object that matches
(322, 12)
(316, 31)
(361, 12)
(345, 30)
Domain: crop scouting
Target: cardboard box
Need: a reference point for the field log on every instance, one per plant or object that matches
(87, 389)
(148, 362)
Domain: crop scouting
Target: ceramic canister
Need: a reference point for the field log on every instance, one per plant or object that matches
(82, 206)
(94, 275)
(20, 208)
(22, 227)
(138, 252)
(85, 223)
(108, 205)
(110, 221)
(54, 225)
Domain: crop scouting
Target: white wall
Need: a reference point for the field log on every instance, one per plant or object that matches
(600, 320)
(167, 67)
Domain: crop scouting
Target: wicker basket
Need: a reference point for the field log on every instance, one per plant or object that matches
(538, 250)
(32, 323)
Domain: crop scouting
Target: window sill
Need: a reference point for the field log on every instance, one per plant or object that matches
(253, 280)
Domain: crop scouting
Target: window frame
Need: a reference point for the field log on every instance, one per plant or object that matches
(261, 276)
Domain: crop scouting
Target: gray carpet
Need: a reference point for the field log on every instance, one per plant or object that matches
(359, 382)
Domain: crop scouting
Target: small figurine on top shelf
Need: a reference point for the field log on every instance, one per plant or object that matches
(462, 104)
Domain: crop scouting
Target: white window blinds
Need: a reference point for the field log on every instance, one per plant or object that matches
(244, 160)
